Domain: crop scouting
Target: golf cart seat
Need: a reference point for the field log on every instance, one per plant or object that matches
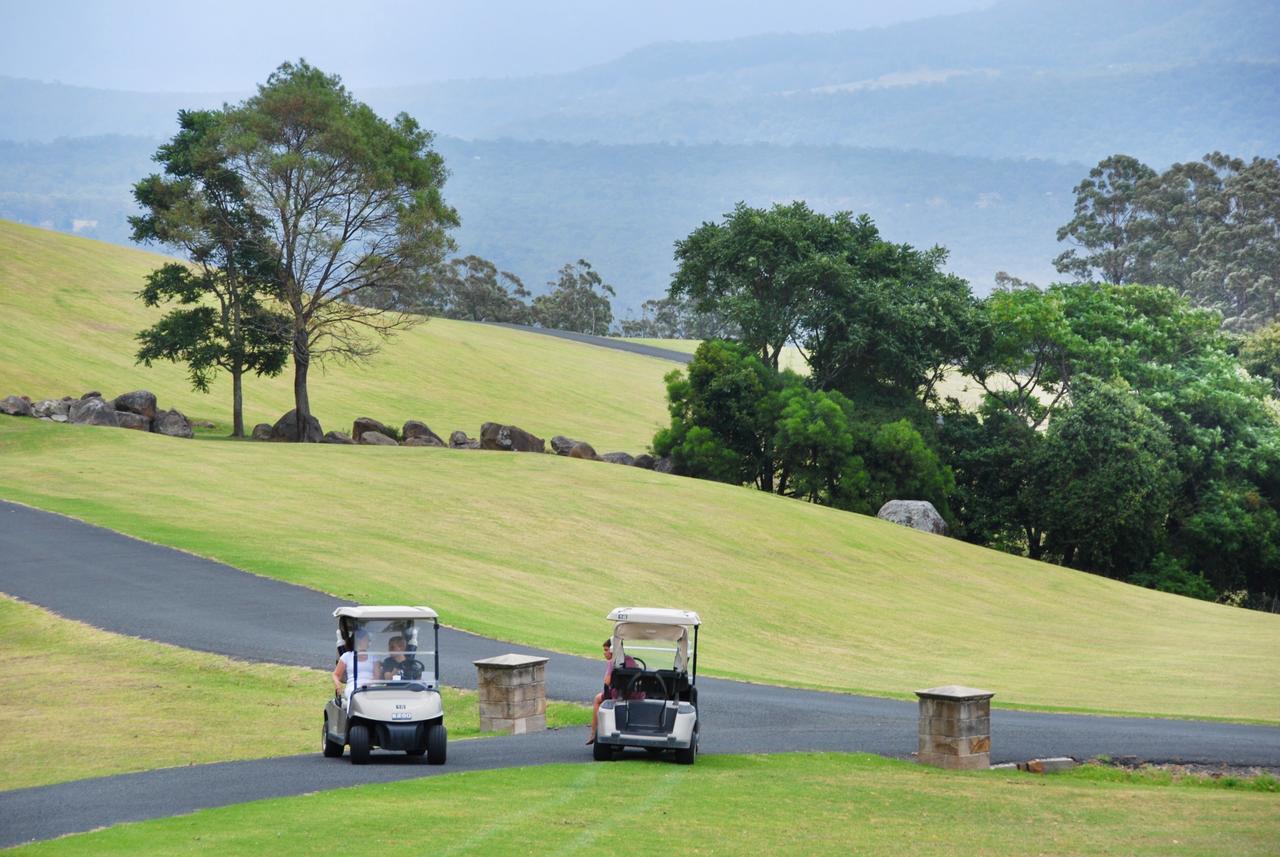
(646, 715)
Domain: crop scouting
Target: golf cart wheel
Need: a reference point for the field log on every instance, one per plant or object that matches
(358, 738)
(689, 755)
(331, 749)
(437, 744)
(602, 752)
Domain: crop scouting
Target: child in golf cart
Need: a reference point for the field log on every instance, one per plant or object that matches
(609, 690)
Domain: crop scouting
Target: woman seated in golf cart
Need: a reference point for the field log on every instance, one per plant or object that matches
(355, 666)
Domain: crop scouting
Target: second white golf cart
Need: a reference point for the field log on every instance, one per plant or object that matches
(391, 697)
(654, 701)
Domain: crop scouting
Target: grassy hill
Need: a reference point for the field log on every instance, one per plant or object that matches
(68, 316)
(537, 548)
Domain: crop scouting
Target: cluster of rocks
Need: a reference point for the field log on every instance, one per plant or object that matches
(566, 446)
(137, 410)
(494, 436)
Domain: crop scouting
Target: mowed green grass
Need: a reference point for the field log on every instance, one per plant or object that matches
(789, 804)
(538, 548)
(86, 703)
(68, 317)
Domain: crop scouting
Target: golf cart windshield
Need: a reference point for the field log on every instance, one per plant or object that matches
(656, 646)
(393, 652)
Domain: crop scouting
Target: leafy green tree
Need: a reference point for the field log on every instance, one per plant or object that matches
(1108, 481)
(1109, 225)
(226, 319)
(813, 443)
(579, 301)
(866, 314)
(901, 466)
(473, 289)
(723, 416)
(676, 318)
(353, 205)
(1260, 354)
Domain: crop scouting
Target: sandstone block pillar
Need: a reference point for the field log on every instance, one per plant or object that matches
(955, 727)
(513, 694)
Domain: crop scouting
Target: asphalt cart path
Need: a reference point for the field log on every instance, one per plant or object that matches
(131, 587)
(604, 342)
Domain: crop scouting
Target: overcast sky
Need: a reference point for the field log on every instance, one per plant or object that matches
(230, 45)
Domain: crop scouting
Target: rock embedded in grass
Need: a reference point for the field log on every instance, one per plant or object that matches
(377, 438)
(133, 421)
(416, 429)
(173, 424)
(645, 461)
(510, 439)
(618, 458)
(286, 429)
(93, 411)
(140, 402)
(15, 406)
(337, 437)
(422, 441)
(664, 465)
(562, 445)
(917, 514)
(459, 440)
(585, 450)
(363, 425)
(262, 431)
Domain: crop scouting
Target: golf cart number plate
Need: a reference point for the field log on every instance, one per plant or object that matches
(401, 715)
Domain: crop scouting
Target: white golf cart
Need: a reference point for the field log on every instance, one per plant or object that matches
(654, 701)
(392, 696)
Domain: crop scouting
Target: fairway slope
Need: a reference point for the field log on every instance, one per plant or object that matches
(69, 314)
(536, 549)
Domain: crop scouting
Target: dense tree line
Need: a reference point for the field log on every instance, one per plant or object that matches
(1121, 430)
(1209, 229)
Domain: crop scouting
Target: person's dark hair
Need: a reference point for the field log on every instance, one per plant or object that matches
(608, 644)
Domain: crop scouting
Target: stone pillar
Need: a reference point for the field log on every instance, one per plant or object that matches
(955, 727)
(513, 694)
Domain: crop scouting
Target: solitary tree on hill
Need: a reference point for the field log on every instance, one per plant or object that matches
(352, 203)
(226, 320)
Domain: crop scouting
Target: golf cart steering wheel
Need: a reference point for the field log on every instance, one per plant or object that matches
(635, 678)
(410, 668)
(640, 661)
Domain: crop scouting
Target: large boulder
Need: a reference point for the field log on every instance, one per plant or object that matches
(917, 514)
(582, 449)
(377, 438)
(509, 439)
(644, 460)
(367, 424)
(419, 441)
(286, 429)
(459, 440)
(130, 420)
(337, 437)
(173, 424)
(140, 402)
(48, 409)
(664, 465)
(562, 445)
(93, 411)
(15, 406)
(618, 458)
(262, 431)
(416, 429)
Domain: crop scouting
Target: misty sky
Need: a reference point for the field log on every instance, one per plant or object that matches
(230, 45)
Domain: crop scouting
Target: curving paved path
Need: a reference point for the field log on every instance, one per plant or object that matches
(132, 587)
(604, 342)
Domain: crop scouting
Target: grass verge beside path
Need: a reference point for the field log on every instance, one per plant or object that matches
(86, 703)
(537, 548)
(69, 313)
(792, 804)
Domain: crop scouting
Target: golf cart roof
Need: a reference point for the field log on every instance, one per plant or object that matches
(655, 616)
(392, 612)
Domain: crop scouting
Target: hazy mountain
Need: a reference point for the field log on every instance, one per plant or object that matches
(533, 206)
